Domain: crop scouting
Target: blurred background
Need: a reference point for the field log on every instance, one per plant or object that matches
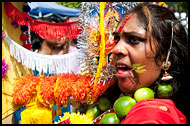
(180, 9)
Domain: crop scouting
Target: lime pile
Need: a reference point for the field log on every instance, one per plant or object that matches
(110, 118)
(143, 93)
(121, 106)
(103, 105)
(93, 112)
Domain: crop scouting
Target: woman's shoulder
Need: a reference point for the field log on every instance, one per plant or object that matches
(72, 49)
(155, 111)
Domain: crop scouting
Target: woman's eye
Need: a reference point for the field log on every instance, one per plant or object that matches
(134, 40)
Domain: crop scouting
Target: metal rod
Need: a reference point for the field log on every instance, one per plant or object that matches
(168, 55)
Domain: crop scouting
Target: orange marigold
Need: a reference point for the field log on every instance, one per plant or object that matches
(24, 88)
(101, 88)
(63, 89)
(81, 88)
(47, 88)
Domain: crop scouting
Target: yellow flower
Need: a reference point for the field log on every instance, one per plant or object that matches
(76, 118)
(163, 4)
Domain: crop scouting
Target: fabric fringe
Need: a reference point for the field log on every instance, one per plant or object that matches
(46, 30)
(56, 63)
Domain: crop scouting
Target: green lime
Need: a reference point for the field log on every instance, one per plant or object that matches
(104, 104)
(143, 93)
(93, 112)
(110, 118)
(123, 105)
(164, 90)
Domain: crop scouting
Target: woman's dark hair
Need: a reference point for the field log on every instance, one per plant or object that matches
(157, 21)
(36, 40)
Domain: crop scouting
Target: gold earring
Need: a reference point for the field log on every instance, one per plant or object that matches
(166, 75)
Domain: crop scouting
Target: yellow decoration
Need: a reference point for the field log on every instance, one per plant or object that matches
(36, 114)
(2, 53)
(85, 72)
(163, 4)
(76, 118)
(102, 60)
(39, 97)
(58, 111)
(16, 70)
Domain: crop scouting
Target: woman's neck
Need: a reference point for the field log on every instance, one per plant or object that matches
(58, 50)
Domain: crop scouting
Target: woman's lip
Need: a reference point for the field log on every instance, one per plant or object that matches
(123, 73)
(121, 64)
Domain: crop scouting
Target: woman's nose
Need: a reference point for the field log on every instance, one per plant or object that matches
(119, 49)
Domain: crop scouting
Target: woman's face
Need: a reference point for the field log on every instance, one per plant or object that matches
(55, 43)
(133, 47)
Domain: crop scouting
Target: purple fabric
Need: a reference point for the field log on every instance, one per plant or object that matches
(3, 35)
(4, 68)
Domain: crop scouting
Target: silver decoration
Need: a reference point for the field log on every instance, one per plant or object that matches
(83, 39)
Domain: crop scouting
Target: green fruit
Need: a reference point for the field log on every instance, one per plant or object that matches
(104, 104)
(143, 93)
(110, 118)
(93, 112)
(123, 105)
(164, 90)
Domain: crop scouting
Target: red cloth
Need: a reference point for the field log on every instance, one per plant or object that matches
(155, 111)
(46, 30)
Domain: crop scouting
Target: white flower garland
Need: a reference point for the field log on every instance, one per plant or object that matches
(57, 63)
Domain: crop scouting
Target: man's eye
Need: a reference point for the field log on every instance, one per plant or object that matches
(116, 38)
(135, 40)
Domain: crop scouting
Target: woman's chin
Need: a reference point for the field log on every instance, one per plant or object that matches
(128, 86)
(59, 45)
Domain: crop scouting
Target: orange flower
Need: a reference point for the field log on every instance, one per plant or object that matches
(81, 88)
(100, 88)
(47, 88)
(58, 88)
(62, 88)
(24, 88)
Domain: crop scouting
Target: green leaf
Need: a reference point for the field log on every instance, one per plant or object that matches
(140, 71)
(140, 67)
(134, 65)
